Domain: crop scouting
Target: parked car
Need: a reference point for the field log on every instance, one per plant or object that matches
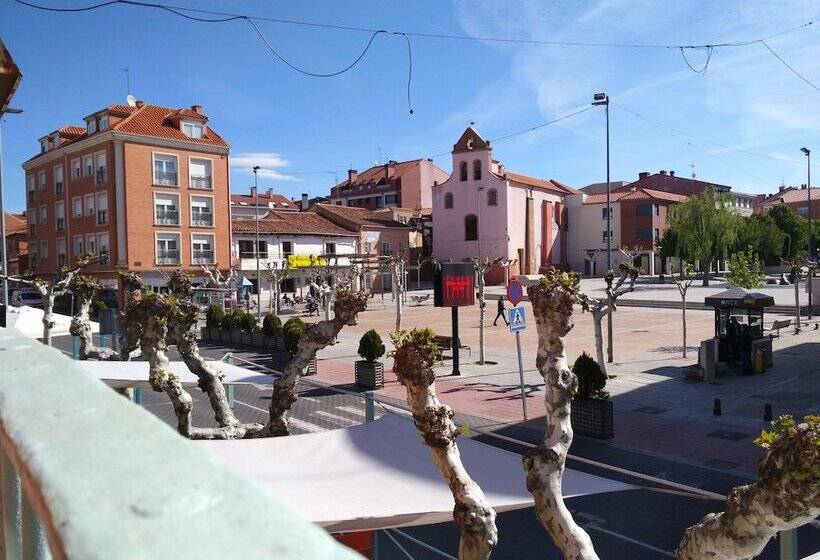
(23, 297)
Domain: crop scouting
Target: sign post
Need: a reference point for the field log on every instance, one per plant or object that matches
(454, 287)
(518, 322)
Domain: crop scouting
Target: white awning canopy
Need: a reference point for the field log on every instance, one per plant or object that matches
(29, 321)
(380, 475)
(128, 374)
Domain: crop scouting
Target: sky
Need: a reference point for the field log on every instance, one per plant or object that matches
(294, 125)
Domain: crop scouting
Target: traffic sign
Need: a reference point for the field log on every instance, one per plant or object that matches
(518, 321)
(515, 292)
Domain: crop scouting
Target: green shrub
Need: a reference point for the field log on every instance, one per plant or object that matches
(591, 379)
(236, 318)
(293, 330)
(247, 323)
(745, 271)
(271, 325)
(100, 306)
(214, 315)
(226, 324)
(371, 347)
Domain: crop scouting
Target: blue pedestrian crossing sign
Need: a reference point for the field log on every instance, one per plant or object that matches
(518, 321)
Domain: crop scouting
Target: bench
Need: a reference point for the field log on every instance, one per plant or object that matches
(779, 324)
(446, 343)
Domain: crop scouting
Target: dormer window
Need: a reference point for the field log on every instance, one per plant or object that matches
(55, 142)
(193, 130)
(92, 126)
(103, 122)
(43, 146)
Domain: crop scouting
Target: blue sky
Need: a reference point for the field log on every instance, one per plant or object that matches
(292, 123)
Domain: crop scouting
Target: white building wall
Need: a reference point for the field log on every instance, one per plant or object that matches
(302, 245)
(586, 228)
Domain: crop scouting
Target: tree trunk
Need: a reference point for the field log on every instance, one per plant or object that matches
(796, 273)
(683, 310)
(482, 308)
(48, 316)
(396, 274)
(597, 320)
(81, 328)
(472, 513)
(786, 496)
(707, 269)
(552, 300)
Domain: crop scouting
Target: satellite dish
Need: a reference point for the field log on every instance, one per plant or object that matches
(131, 100)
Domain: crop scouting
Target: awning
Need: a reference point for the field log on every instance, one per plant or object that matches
(379, 475)
(128, 374)
(29, 321)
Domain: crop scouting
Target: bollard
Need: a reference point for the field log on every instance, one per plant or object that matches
(788, 544)
(75, 347)
(138, 395)
(369, 408)
(767, 413)
(717, 409)
(229, 392)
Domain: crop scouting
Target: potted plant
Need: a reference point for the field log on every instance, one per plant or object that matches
(292, 331)
(213, 320)
(236, 325)
(369, 371)
(591, 408)
(247, 323)
(272, 329)
(225, 329)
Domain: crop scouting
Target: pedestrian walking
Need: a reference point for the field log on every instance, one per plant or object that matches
(501, 312)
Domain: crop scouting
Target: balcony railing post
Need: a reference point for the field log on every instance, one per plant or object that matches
(35, 543)
(10, 488)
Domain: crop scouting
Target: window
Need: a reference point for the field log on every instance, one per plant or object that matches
(58, 180)
(202, 211)
(166, 209)
(246, 249)
(492, 197)
(192, 130)
(604, 213)
(41, 180)
(477, 170)
(448, 200)
(330, 248)
(61, 258)
(31, 185)
(287, 248)
(605, 235)
(77, 205)
(202, 247)
(462, 171)
(385, 247)
(657, 233)
(102, 247)
(167, 248)
(43, 214)
(643, 210)
(200, 173)
(100, 168)
(55, 141)
(657, 209)
(644, 234)
(88, 203)
(91, 126)
(76, 169)
(391, 199)
(43, 148)
(59, 215)
(101, 200)
(79, 245)
(103, 122)
(470, 227)
(165, 170)
(91, 243)
(43, 250)
(88, 166)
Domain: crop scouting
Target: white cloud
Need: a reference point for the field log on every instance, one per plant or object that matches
(270, 162)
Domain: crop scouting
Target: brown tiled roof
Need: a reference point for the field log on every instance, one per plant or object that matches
(265, 198)
(639, 194)
(71, 130)
(305, 223)
(15, 223)
(357, 217)
(376, 173)
(120, 110)
(674, 184)
(151, 120)
(792, 195)
(548, 184)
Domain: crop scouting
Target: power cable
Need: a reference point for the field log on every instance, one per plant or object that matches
(789, 66)
(709, 51)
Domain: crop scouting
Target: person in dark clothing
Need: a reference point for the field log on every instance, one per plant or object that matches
(500, 312)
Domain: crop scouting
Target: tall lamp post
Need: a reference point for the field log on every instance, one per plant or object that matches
(256, 168)
(603, 99)
(4, 266)
(807, 152)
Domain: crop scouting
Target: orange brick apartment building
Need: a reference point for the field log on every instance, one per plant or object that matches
(143, 186)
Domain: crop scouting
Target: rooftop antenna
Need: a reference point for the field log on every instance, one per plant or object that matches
(127, 80)
(692, 165)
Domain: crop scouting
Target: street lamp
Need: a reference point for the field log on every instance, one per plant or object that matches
(256, 168)
(603, 99)
(811, 232)
(4, 266)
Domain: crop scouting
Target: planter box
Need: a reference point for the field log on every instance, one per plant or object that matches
(236, 336)
(246, 339)
(593, 417)
(224, 336)
(258, 340)
(369, 375)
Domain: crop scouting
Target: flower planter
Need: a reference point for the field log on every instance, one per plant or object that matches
(236, 336)
(593, 417)
(369, 375)
(224, 336)
(258, 340)
(246, 339)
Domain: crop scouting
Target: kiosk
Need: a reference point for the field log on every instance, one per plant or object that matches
(739, 328)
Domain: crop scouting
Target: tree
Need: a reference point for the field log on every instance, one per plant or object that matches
(683, 281)
(85, 289)
(396, 264)
(414, 356)
(276, 275)
(481, 267)
(218, 280)
(52, 288)
(553, 298)
(705, 228)
(744, 270)
(794, 228)
(601, 307)
(785, 496)
(760, 234)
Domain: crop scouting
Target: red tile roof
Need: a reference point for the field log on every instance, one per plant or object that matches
(359, 218)
(377, 173)
(264, 199)
(15, 223)
(304, 223)
(792, 195)
(546, 184)
(674, 184)
(639, 194)
(71, 130)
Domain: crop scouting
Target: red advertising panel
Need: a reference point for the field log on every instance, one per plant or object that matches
(454, 285)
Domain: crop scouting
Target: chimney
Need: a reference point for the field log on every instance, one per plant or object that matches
(253, 192)
(662, 171)
(643, 175)
(351, 176)
(305, 202)
(392, 162)
(270, 192)
(781, 188)
(196, 109)
(387, 172)
(802, 187)
(671, 173)
(139, 103)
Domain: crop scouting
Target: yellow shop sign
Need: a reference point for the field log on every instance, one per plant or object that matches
(304, 261)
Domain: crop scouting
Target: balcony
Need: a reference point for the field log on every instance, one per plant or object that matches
(202, 219)
(102, 217)
(167, 257)
(200, 182)
(60, 224)
(202, 257)
(101, 177)
(103, 256)
(61, 260)
(167, 217)
(165, 178)
(58, 187)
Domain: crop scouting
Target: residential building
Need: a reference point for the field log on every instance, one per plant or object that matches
(145, 187)
(16, 243)
(402, 184)
(288, 237)
(600, 188)
(638, 221)
(671, 183)
(796, 198)
(484, 210)
(246, 205)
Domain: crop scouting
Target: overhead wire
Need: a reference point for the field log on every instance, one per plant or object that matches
(789, 66)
